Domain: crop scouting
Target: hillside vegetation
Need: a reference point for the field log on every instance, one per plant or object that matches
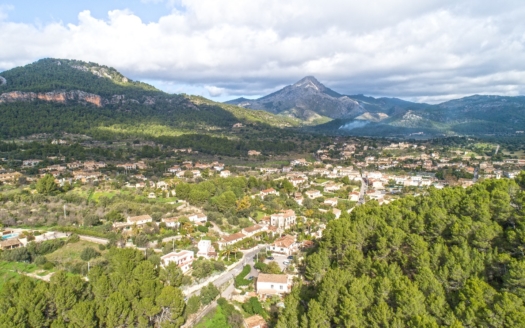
(452, 258)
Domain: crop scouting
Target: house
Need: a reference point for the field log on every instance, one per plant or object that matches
(31, 163)
(152, 195)
(283, 219)
(225, 174)
(298, 197)
(237, 125)
(284, 245)
(206, 250)
(267, 192)
(312, 194)
(139, 220)
(196, 173)
(330, 202)
(92, 165)
(254, 153)
(299, 162)
(141, 165)
(337, 212)
(353, 196)
(254, 229)
(74, 165)
(286, 169)
(255, 321)
(128, 166)
(331, 186)
(297, 181)
(183, 259)
(10, 243)
(9, 177)
(171, 222)
(272, 284)
(198, 217)
(174, 169)
(231, 239)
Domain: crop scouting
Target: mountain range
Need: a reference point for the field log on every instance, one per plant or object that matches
(311, 101)
(58, 95)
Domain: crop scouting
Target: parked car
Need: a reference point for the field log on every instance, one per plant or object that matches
(250, 278)
(290, 257)
(270, 258)
(286, 262)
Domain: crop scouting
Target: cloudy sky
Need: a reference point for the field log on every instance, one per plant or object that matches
(430, 50)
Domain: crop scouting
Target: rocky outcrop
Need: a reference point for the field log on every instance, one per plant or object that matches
(73, 96)
(55, 96)
(3, 81)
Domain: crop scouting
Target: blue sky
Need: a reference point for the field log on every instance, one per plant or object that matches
(429, 51)
(41, 12)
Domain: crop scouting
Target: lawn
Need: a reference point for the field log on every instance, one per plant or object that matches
(9, 270)
(71, 252)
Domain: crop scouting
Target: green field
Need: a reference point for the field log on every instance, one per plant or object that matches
(10, 270)
(71, 252)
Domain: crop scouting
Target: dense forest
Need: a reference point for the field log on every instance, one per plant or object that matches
(130, 291)
(451, 258)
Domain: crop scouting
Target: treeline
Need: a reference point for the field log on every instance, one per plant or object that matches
(454, 257)
(131, 291)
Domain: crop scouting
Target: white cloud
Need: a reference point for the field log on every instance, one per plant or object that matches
(426, 50)
(214, 91)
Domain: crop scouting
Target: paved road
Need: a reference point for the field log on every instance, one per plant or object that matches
(228, 276)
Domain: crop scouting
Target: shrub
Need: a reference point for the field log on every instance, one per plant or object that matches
(101, 247)
(40, 260)
(48, 266)
(89, 253)
(73, 238)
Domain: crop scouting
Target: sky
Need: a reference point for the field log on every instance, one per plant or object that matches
(425, 51)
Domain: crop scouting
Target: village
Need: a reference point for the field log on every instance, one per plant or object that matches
(266, 217)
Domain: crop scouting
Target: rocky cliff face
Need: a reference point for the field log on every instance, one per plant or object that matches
(71, 96)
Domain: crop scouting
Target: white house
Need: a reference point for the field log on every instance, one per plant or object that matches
(284, 245)
(330, 186)
(267, 192)
(206, 250)
(314, 193)
(330, 201)
(171, 222)
(139, 220)
(254, 229)
(174, 169)
(225, 174)
(231, 239)
(283, 219)
(183, 259)
(353, 196)
(272, 284)
(198, 217)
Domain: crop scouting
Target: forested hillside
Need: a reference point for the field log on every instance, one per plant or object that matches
(61, 74)
(130, 292)
(452, 258)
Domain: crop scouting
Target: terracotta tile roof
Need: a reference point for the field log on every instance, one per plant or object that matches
(253, 228)
(255, 321)
(10, 242)
(284, 241)
(275, 278)
(139, 218)
(233, 237)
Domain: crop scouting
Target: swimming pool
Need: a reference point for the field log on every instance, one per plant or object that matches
(8, 236)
